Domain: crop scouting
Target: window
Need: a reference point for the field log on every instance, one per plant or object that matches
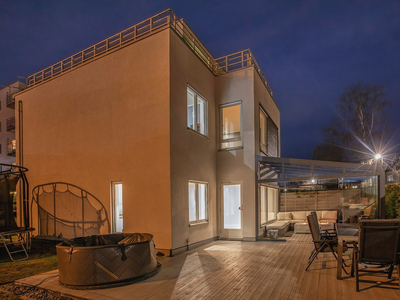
(269, 204)
(231, 125)
(196, 112)
(263, 132)
(269, 142)
(198, 202)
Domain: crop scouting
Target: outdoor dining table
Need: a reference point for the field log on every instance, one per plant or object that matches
(345, 234)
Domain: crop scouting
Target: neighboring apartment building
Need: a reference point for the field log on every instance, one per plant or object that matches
(163, 134)
(7, 122)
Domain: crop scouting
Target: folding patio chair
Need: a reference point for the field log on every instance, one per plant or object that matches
(326, 233)
(321, 242)
(379, 245)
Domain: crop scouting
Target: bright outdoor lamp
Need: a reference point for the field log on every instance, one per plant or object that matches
(378, 156)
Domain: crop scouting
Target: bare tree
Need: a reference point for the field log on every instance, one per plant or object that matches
(361, 126)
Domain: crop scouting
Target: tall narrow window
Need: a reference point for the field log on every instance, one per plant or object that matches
(198, 202)
(231, 126)
(263, 132)
(196, 112)
(269, 142)
(269, 204)
(116, 206)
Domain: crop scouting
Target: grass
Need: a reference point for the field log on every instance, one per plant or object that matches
(11, 271)
(42, 258)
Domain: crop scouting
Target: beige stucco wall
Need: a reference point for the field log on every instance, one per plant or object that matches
(193, 156)
(106, 121)
(238, 165)
(263, 98)
(6, 113)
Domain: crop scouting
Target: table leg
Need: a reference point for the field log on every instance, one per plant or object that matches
(339, 260)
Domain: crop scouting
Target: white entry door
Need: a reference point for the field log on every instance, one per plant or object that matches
(117, 219)
(232, 219)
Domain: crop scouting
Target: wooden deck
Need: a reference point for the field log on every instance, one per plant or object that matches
(238, 270)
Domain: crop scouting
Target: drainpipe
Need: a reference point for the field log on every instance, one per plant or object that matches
(20, 157)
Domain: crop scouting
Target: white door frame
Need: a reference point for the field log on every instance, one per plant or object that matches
(112, 203)
(231, 233)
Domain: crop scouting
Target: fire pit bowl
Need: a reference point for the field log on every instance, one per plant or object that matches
(98, 260)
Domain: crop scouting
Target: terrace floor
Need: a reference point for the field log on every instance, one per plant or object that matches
(237, 270)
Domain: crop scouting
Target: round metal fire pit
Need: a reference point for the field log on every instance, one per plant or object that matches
(98, 260)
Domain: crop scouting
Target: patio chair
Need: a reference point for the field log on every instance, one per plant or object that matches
(321, 243)
(379, 245)
(326, 233)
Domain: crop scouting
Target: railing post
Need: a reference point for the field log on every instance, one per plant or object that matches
(226, 63)
(242, 59)
(120, 38)
(151, 24)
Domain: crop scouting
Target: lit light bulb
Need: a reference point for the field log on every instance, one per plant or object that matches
(378, 156)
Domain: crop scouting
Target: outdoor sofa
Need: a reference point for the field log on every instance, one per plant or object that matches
(287, 220)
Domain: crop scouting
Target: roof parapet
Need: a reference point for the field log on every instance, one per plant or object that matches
(167, 18)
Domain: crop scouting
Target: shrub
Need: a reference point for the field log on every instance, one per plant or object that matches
(392, 201)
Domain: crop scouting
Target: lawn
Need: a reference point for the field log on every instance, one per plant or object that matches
(42, 258)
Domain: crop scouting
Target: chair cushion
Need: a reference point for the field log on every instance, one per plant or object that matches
(299, 215)
(319, 213)
(329, 215)
(278, 224)
(329, 221)
(284, 216)
(298, 221)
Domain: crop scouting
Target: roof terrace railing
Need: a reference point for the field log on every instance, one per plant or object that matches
(143, 29)
(239, 60)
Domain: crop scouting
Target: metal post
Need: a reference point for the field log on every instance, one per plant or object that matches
(83, 215)
(54, 203)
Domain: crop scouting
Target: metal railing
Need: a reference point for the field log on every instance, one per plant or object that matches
(12, 148)
(11, 123)
(240, 60)
(167, 18)
(9, 100)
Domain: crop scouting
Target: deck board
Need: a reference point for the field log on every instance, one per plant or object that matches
(239, 270)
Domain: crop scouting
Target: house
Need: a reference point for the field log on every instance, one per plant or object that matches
(160, 132)
(7, 122)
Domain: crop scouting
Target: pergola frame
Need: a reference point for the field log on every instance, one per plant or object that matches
(292, 169)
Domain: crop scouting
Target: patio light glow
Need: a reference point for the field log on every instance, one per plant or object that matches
(378, 156)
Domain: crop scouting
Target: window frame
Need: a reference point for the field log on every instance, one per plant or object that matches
(267, 129)
(275, 205)
(197, 94)
(198, 221)
(262, 111)
(221, 126)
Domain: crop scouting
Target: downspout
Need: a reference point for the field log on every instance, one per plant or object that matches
(20, 157)
(256, 196)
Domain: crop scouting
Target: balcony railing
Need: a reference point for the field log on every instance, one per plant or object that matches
(11, 148)
(11, 124)
(143, 29)
(240, 60)
(10, 102)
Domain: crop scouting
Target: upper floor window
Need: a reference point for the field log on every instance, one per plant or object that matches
(196, 112)
(231, 125)
(198, 202)
(269, 141)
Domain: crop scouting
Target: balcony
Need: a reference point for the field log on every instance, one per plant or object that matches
(10, 101)
(11, 148)
(11, 124)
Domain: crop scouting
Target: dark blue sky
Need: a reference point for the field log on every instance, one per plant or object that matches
(310, 51)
